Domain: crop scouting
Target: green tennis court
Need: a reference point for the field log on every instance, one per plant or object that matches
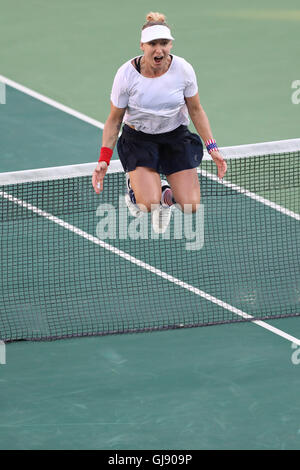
(220, 387)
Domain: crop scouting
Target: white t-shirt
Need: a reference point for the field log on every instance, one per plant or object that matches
(155, 105)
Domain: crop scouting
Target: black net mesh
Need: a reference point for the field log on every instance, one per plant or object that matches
(77, 264)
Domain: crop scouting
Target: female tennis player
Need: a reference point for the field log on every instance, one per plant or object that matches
(155, 94)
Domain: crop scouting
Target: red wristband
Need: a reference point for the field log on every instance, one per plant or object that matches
(105, 155)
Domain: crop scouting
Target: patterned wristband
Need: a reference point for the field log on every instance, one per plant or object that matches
(105, 155)
(211, 145)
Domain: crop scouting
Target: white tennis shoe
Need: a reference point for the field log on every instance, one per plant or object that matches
(162, 214)
(161, 218)
(166, 194)
(130, 199)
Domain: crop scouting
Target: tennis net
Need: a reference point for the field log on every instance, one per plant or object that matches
(74, 263)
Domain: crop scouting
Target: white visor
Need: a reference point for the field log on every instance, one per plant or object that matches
(155, 32)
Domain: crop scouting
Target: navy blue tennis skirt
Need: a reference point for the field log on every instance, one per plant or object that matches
(166, 153)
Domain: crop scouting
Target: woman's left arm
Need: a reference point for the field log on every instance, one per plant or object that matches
(201, 123)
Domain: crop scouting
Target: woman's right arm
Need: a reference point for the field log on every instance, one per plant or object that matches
(110, 135)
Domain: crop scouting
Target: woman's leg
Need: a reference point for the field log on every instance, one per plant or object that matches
(146, 186)
(186, 189)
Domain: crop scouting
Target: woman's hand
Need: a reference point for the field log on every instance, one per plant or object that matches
(201, 123)
(220, 162)
(98, 176)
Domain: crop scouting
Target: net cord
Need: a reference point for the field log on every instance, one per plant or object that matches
(280, 147)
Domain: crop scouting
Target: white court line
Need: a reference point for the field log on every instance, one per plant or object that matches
(247, 193)
(50, 102)
(147, 266)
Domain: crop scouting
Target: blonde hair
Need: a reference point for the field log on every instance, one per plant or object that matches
(154, 18)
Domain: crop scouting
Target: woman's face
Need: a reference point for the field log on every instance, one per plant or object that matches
(156, 52)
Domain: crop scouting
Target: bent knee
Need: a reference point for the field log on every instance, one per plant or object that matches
(189, 205)
(147, 205)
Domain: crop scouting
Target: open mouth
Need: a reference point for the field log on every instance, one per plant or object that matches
(158, 59)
